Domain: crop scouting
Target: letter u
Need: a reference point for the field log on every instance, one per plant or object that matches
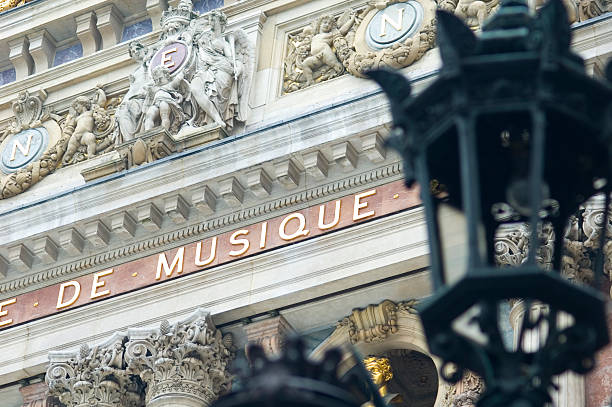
(211, 257)
(336, 220)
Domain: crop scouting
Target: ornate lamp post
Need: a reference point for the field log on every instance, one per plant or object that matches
(512, 130)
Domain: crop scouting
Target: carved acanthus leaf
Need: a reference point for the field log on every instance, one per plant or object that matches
(375, 322)
(190, 357)
(93, 376)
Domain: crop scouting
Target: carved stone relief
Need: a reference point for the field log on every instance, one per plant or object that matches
(188, 359)
(196, 75)
(184, 361)
(581, 244)
(90, 125)
(375, 322)
(31, 147)
(592, 8)
(189, 88)
(387, 33)
(93, 376)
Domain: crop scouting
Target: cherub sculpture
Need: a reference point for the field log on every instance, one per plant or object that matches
(321, 53)
(163, 100)
(86, 117)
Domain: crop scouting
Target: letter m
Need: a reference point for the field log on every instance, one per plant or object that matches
(177, 262)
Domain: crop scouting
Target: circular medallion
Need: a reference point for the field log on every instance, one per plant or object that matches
(172, 56)
(394, 24)
(20, 149)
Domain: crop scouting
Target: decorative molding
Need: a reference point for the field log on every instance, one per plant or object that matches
(188, 359)
(150, 217)
(335, 44)
(375, 322)
(93, 376)
(46, 249)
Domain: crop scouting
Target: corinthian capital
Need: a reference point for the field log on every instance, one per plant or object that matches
(93, 376)
(183, 364)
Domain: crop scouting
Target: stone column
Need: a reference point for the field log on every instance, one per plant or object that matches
(269, 333)
(184, 364)
(37, 395)
(93, 376)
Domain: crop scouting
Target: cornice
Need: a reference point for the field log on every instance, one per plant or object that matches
(201, 230)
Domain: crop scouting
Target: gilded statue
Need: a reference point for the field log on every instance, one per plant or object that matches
(381, 374)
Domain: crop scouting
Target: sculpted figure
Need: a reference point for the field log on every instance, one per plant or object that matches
(83, 130)
(321, 52)
(473, 12)
(129, 112)
(381, 373)
(220, 84)
(163, 100)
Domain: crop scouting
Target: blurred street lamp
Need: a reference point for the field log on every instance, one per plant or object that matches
(512, 130)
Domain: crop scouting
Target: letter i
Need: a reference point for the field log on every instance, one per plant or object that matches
(264, 232)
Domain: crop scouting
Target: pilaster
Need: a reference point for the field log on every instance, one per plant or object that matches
(269, 333)
(42, 49)
(19, 54)
(183, 364)
(110, 25)
(88, 33)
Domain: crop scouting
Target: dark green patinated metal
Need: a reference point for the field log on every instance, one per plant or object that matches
(513, 119)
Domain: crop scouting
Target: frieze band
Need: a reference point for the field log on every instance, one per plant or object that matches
(202, 255)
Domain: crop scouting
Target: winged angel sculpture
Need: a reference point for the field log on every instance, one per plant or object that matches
(209, 87)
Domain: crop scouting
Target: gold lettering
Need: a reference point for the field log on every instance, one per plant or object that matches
(264, 232)
(301, 230)
(166, 57)
(24, 150)
(360, 205)
(60, 298)
(213, 253)
(395, 24)
(336, 220)
(177, 262)
(244, 242)
(97, 284)
(4, 313)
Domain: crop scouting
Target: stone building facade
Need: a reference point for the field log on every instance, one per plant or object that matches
(179, 178)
